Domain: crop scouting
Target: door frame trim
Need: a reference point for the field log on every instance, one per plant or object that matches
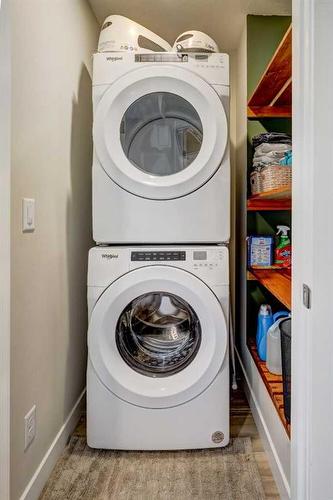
(302, 205)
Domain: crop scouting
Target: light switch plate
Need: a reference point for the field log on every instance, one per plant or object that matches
(28, 215)
(29, 427)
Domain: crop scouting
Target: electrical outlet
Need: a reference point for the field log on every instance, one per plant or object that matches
(29, 427)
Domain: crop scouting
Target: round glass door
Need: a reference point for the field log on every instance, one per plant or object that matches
(161, 133)
(158, 334)
(157, 337)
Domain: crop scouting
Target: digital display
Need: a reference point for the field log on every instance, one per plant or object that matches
(158, 256)
(199, 255)
(178, 58)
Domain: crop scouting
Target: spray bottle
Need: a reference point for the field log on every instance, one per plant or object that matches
(283, 247)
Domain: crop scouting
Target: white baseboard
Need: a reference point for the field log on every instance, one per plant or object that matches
(274, 460)
(38, 481)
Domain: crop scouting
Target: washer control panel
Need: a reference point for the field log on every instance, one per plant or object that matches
(158, 256)
(209, 263)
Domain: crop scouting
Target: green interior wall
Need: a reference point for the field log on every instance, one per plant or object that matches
(264, 33)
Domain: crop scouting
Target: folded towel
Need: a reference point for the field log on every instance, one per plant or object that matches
(271, 137)
(277, 155)
(268, 147)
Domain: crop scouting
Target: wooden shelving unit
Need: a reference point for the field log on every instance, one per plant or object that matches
(272, 382)
(272, 98)
(276, 199)
(273, 94)
(277, 282)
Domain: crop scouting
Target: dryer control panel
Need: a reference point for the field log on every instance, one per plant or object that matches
(110, 66)
(160, 57)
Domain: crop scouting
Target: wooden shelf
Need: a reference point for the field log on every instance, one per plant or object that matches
(257, 112)
(277, 281)
(276, 199)
(273, 95)
(272, 382)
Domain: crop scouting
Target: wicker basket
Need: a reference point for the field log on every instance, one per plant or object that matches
(270, 177)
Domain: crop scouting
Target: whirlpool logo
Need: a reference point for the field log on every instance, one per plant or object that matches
(114, 58)
(109, 256)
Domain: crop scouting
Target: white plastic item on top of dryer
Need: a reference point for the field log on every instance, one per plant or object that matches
(120, 34)
(161, 166)
(195, 41)
(158, 348)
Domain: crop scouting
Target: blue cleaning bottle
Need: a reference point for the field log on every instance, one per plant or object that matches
(265, 320)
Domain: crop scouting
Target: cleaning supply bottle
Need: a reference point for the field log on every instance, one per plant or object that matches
(274, 361)
(283, 247)
(265, 320)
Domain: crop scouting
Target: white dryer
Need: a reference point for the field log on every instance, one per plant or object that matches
(158, 365)
(161, 169)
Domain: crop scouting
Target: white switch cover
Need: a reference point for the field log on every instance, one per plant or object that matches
(28, 215)
(29, 427)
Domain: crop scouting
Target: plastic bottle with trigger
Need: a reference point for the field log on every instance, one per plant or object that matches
(283, 247)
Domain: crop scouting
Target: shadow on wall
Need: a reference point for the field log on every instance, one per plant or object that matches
(79, 238)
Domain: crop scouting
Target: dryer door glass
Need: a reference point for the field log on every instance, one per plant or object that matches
(158, 334)
(161, 133)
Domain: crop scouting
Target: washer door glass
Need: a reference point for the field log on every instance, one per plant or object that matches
(161, 133)
(158, 334)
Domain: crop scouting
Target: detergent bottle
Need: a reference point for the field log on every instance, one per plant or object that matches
(265, 320)
(274, 360)
(283, 247)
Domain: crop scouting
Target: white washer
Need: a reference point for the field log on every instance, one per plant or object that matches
(161, 168)
(158, 364)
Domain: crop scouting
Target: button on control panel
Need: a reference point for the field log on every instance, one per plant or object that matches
(158, 256)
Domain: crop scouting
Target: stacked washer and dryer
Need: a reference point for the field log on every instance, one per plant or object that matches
(158, 278)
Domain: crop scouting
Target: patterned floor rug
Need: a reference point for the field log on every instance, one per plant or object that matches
(82, 473)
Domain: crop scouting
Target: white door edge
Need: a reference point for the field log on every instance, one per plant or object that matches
(312, 339)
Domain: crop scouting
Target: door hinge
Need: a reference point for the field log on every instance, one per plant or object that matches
(306, 296)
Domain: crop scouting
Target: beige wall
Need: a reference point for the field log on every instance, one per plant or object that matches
(5, 147)
(52, 44)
